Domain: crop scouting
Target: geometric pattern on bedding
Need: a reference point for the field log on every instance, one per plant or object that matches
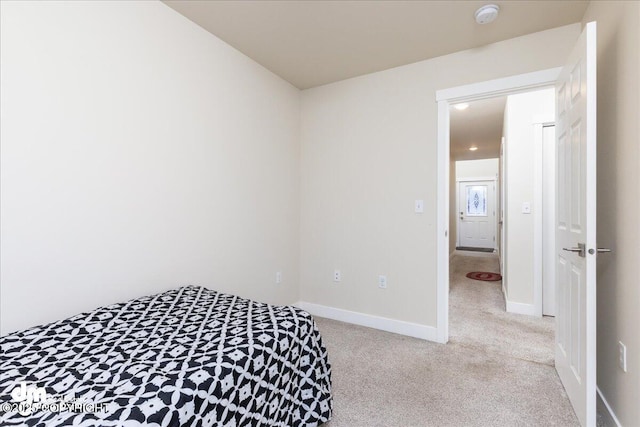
(187, 357)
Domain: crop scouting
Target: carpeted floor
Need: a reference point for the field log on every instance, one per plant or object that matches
(497, 369)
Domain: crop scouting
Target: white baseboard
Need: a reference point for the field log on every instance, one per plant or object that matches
(517, 307)
(610, 419)
(520, 308)
(401, 327)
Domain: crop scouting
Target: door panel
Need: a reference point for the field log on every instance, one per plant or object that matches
(476, 214)
(576, 227)
(562, 289)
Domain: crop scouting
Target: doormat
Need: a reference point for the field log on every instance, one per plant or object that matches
(466, 248)
(484, 276)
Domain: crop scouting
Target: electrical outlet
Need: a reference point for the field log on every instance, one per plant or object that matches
(278, 277)
(622, 356)
(337, 276)
(382, 282)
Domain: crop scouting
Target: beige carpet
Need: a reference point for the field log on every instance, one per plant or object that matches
(497, 369)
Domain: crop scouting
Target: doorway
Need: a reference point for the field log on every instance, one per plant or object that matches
(576, 249)
(446, 99)
(475, 214)
(476, 220)
(522, 120)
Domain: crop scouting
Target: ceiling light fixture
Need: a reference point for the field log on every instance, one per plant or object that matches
(461, 107)
(474, 148)
(487, 13)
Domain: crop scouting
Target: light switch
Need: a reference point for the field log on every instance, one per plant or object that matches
(526, 208)
(419, 206)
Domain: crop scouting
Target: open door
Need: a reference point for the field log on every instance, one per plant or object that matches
(576, 227)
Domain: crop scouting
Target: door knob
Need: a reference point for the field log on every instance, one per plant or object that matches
(580, 250)
(599, 250)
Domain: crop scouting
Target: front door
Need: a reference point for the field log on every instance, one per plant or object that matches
(477, 214)
(576, 227)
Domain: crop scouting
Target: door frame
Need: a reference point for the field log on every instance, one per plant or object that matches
(502, 252)
(539, 123)
(495, 206)
(445, 98)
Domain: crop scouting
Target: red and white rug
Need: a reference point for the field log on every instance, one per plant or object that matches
(484, 276)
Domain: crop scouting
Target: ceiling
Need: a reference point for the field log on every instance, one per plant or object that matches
(311, 43)
(480, 125)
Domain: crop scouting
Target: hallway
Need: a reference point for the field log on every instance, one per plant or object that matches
(516, 347)
(478, 317)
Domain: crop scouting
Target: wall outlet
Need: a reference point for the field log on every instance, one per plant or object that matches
(382, 282)
(622, 356)
(278, 277)
(337, 276)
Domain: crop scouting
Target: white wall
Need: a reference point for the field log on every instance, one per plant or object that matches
(521, 112)
(139, 153)
(618, 27)
(471, 169)
(368, 151)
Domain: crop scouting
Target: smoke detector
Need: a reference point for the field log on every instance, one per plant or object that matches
(487, 13)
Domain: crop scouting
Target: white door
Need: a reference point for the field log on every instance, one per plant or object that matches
(548, 221)
(576, 227)
(476, 219)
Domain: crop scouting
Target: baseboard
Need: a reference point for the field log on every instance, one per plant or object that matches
(520, 308)
(609, 418)
(401, 327)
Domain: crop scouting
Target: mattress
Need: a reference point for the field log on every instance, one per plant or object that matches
(187, 357)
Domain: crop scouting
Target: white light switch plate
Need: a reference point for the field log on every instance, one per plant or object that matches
(419, 206)
(526, 208)
(382, 282)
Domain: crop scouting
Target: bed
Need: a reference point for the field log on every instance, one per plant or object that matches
(187, 357)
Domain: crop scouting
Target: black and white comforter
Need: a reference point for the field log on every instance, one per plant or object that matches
(187, 357)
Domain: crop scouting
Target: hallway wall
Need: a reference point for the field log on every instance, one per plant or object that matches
(520, 114)
(483, 168)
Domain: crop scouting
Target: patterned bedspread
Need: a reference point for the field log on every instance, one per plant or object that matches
(187, 357)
